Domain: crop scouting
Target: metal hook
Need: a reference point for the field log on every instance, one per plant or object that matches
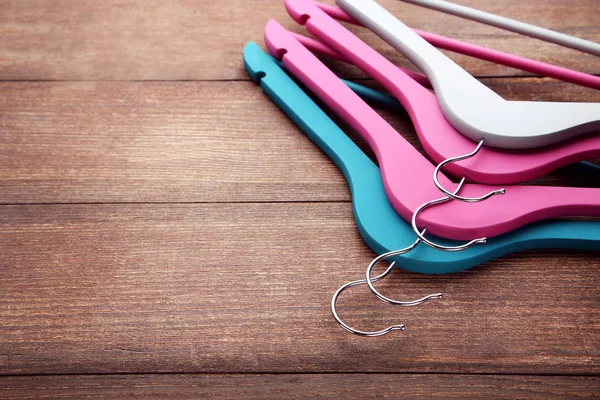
(454, 195)
(370, 281)
(435, 245)
(399, 327)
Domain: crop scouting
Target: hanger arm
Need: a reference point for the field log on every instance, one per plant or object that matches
(471, 107)
(512, 25)
(484, 53)
(319, 47)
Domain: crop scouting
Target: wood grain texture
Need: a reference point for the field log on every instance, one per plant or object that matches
(183, 239)
(199, 40)
(245, 288)
(179, 142)
(357, 386)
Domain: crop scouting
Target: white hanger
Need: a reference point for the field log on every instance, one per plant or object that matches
(510, 25)
(471, 107)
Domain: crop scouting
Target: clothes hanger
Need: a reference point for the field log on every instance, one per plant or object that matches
(510, 25)
(380, 226)
(407, 174)
(365, 179)
(471, 107)
(493, 166)
(484, 53)
(438, 137)
(391, 103)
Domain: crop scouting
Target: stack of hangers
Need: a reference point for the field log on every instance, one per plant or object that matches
(478, 137)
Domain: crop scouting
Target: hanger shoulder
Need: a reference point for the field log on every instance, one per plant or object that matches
(517, 125)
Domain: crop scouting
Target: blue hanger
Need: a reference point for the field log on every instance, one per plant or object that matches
(381, 228)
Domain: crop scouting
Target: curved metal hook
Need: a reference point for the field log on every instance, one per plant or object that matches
(399, 327)
(435, 245)
(391, 328)
(454, 195)
(370, 280)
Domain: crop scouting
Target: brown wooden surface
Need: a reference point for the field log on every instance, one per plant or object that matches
(177, 142)
(164, 228)
(188, 39)
(302, 386)
(246, 288)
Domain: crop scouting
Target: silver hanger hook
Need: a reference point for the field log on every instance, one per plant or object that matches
(435, 245)
(370, 280)
(454, 195)
(398, 327)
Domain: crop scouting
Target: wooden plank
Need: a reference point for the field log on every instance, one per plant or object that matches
(177, 142)
(101, 142)
(357, 386)
(245, 288)
(198, 40)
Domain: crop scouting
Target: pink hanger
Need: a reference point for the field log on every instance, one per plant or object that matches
(483, 53)
(438, 137)
(407, 175)
(320, 48)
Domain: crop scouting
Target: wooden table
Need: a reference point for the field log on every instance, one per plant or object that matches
(165, 230)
